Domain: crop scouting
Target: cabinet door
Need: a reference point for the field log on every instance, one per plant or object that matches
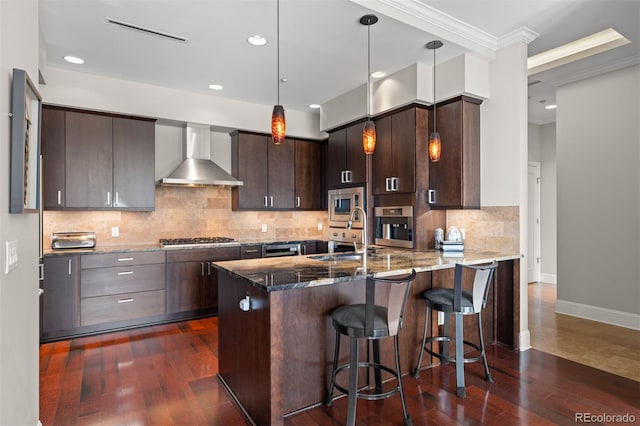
(189, 286)
(88, 160)
(382, 156)
(456, 177)
(249, 153)
(356, 158)
(336, 157)
(133, 164)
(52, 146)
(308, 177)
(281, 174)
(61, 297)
(403, 155)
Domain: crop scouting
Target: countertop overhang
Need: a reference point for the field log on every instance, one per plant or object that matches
(291, 272)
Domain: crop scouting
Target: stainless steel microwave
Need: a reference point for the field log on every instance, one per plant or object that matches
(341, 202)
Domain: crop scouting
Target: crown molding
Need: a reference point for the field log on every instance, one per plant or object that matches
(521, 35)
(435, 22)
(596, 71)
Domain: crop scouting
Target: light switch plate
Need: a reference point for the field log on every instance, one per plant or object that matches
(264, 227)
(11, 256)
(115, 231)
(319, 226)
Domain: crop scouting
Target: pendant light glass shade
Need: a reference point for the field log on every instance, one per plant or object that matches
(435, 144)
(369, 131)
(369, 137)
(278, 121)
(435, 147)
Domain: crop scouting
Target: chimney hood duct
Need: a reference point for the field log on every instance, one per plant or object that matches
(197, 169)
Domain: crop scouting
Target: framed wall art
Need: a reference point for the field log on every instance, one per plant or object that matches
(26, 110)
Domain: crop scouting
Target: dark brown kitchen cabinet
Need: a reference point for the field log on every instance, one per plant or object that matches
(267, 171)
(97, 161)
(192, 282)
(125, 286)
(60, 300)
(394, 160)
(346, 160)
(308, 175)
(454, 181)
(308, 247)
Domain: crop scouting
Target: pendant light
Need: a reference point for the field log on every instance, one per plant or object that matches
(278, 122)
(369, 131)
(435, 144)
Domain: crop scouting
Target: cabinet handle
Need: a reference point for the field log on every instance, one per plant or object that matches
(127, 300)
(304, 249)
(271, 201)
(208, 268)
(432, 196)
(59, 197)
(343, 179)
(394, 183)
(115, 203)
(266, 201)
(251, 251)
(69, 266)
(387, 184)
(348, 175)
(125, 259)
(297, 201)
(108, 198)
(202, 269)
(125, 273)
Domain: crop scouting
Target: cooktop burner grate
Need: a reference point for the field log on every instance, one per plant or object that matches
(194, 241)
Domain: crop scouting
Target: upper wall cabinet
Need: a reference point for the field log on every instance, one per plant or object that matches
(454, 181)
(308, 181)
(346, 161)
(97, 162)
(394, 160)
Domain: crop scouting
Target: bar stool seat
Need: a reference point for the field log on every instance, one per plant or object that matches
(459, 303)
(371, 322)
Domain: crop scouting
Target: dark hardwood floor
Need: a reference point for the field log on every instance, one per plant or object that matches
(166, 375)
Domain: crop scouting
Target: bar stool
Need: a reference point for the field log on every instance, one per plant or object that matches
(458, 302)
(373, 323)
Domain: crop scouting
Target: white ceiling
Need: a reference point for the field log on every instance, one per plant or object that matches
(322, 44)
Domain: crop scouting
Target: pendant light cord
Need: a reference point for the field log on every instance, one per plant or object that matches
(434, 90)
(278, 47)
(369, 71)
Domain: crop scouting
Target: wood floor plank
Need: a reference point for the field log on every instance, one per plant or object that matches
(166, 375)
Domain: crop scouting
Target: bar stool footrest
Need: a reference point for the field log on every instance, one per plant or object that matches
(449, 358)
(368, 396)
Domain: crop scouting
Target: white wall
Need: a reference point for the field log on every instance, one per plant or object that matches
(548, 204)
(598, 163)
(534, 142)
(19, 300)
(503, 152)
(95, 92)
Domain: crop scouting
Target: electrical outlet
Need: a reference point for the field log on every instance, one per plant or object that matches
(319, 226)
(11, 256)
(115, 231)
(440, 318)
(264, 227)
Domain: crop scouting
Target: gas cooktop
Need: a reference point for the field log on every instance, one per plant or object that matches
(193, 242)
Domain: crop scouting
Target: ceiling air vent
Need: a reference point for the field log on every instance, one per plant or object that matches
(146, 30)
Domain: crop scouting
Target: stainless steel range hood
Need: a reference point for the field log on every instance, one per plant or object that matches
(197, 169)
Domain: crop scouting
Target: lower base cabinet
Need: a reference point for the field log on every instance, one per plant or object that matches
(60, 311)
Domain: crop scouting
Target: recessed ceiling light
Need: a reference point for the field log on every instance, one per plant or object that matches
(551, 107)
(314, 106)
(74, 60)
(378, 74)
(215, 87)
(257, 40)
(578, 49)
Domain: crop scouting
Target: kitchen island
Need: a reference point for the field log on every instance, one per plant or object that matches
(276, 340)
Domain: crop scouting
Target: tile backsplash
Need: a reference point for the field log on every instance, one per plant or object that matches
(490, 228)
(188, 212)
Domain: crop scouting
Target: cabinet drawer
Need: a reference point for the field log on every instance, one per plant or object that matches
(89, 261)
(109, 281)
(96, 310)
(250, 252)
(203, 255)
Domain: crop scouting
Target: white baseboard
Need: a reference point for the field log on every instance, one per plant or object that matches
(549, 278)
(524, 340)
(595, 313)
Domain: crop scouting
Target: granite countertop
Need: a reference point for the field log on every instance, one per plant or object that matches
(101, 249)
(284, 273)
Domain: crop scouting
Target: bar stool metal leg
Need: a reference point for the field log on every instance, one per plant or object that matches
(329, 399)
(484, 356)
(353, 382)
(407, 418)
(416, 371)
(460, 391)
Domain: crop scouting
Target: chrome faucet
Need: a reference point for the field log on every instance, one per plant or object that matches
(364, 231)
